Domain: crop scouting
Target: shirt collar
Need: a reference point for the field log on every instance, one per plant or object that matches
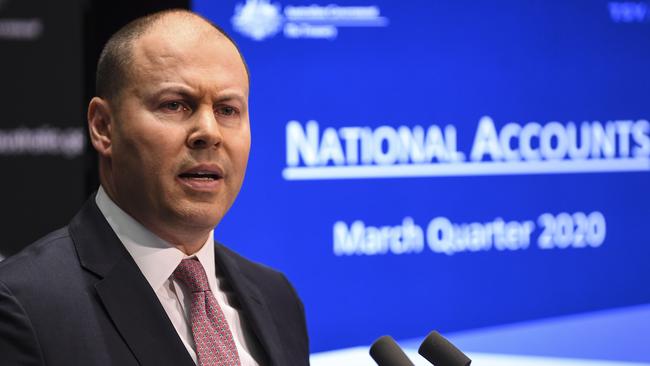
(156, 258)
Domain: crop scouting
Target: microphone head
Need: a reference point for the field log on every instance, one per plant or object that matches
(440, 352)
(386, 352)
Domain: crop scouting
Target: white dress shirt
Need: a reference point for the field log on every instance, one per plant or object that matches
(157, 259)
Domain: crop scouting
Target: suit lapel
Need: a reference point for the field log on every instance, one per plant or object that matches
(256, 311)
(126, 295)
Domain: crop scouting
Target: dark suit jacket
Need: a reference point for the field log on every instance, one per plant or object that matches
(76, 297)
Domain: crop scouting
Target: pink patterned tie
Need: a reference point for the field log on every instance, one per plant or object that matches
(214, 343)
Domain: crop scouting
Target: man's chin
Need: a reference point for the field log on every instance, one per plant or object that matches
(200, 217)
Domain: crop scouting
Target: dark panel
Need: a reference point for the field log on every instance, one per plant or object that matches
(49, 51)
(41, 133)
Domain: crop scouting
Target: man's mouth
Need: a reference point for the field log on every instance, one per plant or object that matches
(202, 177)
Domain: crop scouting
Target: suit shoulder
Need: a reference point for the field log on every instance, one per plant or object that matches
(268, 280)
(37, 257)
(247, 265)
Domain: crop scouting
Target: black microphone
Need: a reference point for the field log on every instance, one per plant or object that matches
(386, 352)
(440, 352)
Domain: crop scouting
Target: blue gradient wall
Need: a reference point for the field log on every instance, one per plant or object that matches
(467, 164)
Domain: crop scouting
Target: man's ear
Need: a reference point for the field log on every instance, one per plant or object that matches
(100, 125)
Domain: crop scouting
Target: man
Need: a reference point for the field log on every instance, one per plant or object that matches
(135, 278)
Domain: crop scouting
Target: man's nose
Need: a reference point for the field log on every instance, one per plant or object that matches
(205, 131)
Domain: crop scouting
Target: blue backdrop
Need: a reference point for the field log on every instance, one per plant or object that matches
(468, 164)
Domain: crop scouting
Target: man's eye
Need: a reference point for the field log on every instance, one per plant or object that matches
(175, 106)
(226, 111)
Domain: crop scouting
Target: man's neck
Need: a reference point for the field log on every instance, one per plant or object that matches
(187, 240)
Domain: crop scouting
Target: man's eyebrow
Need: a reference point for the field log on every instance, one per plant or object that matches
(175, 89)
(230, 96)
(187, 92)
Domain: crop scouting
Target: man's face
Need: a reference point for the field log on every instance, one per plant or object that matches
(181, 134)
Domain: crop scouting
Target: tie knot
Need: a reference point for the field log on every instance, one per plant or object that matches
(191, 273)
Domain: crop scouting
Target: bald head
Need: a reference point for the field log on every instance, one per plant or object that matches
(116, 62)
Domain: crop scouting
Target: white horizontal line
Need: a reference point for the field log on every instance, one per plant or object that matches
(342, 21)
(359, 356)
(467, 169)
